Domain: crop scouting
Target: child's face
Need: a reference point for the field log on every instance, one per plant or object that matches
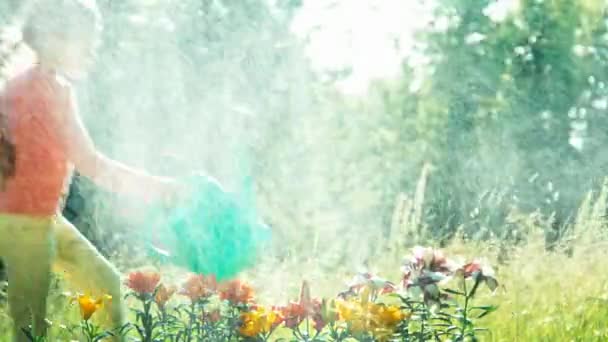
(73, 55)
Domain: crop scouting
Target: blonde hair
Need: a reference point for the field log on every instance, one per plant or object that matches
(59, 18)
(35, 22)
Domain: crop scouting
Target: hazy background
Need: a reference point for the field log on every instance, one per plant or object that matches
(339, 105)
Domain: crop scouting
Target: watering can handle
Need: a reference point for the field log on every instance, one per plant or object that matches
(160, 210)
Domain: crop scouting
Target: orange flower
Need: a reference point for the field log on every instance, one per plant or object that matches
(163, 294)
(89, 305)
(236, 292)
(143, 282)
(199, 286)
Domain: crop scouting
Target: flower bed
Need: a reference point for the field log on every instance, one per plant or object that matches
(433, 300)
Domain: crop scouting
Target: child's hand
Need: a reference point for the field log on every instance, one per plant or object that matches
(172, 191)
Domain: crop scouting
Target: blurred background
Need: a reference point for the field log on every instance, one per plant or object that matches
(367, 126)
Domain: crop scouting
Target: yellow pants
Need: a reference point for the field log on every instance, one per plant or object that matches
(32, 248)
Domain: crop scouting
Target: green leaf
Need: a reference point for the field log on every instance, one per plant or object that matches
(102, 336)
(444, 314)
(485, 307)
(455, 292)
(444, 319)
(485, 313)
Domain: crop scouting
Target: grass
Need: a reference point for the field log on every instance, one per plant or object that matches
(549, 296)
(552, 297)
(544, 296)
(559, 295)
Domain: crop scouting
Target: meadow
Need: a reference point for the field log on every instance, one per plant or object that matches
(525, 293)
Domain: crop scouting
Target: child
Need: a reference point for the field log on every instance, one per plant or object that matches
(47, 135)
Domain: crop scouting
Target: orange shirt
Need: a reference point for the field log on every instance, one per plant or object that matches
(30, 100)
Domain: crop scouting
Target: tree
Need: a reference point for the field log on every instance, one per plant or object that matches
(505, 92)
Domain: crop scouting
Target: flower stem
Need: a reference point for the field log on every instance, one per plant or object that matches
(192, 315)
(232, 322)
(147, 320)
(163, 313)
(464, 313)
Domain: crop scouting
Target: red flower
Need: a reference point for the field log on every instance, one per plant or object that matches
(317, 315)
(295, 312)
(427, 265)
(198, 287)
(424, 270)
(480, 272)
(471, 268)
(143, 282)
(236, 292)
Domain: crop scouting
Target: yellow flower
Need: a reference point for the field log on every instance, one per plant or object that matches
(365, 295)
(383, 334)
(372, 317)
(356, 314)
(358, 326)
(390, 315)
(348, 310)
(250, 326)
(269, 321)
(259, 320)
(89, 305)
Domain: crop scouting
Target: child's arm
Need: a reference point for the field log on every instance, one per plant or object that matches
(102, 170)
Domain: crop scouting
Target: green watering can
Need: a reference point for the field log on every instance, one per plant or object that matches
(210, 232)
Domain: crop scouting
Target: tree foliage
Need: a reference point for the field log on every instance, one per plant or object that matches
(506, 100)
